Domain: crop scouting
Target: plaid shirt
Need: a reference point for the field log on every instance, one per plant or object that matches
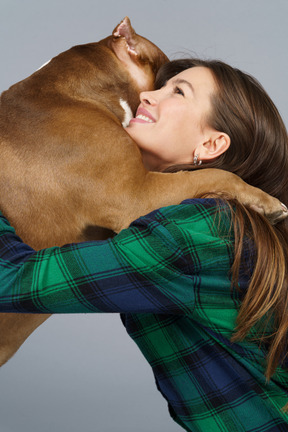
(168, 275)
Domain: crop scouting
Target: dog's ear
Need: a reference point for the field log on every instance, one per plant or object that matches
(125, 45)
(125, 41)
(139, 56)
(126, 31)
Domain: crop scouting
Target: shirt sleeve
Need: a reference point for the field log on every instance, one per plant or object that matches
(153, 266)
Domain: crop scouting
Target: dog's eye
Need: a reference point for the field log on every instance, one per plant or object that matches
(178, 90)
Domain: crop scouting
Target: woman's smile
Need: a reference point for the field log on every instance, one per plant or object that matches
(142, 116)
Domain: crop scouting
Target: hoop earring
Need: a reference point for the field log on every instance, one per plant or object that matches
(196, 161)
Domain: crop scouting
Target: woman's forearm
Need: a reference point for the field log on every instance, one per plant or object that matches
(146, 268)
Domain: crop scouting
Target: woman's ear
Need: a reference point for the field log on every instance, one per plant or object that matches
(217, 144)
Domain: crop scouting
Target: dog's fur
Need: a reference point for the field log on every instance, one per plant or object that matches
(67, 165)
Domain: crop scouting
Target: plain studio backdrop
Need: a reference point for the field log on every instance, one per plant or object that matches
(82, 372)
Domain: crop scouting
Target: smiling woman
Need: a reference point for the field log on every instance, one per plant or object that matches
(171, 124)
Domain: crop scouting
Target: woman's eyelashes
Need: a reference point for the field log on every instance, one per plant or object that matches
(178, 90)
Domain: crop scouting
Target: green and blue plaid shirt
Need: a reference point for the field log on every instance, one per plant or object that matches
(169, 277)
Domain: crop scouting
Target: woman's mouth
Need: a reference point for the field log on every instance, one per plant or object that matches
(142, 116)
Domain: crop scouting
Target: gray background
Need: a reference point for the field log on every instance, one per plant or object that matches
(82, 373)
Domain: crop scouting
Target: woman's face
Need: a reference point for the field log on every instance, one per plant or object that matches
(170, 122)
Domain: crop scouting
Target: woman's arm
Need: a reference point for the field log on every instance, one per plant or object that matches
(153, 266)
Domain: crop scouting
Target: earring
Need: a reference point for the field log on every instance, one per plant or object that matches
(196, 161)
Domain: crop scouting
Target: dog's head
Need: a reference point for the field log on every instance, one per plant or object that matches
(119, 66)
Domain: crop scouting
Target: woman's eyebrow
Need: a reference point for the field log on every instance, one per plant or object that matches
(182, 81)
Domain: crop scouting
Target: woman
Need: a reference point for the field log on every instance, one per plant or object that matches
(202, 286)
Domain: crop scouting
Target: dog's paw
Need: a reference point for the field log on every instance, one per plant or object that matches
(274, 216)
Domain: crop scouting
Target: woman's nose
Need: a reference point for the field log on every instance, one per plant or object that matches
(148, 98)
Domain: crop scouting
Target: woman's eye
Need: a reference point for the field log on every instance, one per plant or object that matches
(178, 90)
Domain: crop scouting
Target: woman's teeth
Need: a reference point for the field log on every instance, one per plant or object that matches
(143, 117)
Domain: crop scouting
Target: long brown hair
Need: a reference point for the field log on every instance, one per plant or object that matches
(258, 153)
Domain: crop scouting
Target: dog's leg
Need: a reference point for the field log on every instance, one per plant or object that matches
(17, 328)
(160, 189)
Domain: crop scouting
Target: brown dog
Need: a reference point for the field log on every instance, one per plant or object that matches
(67, 165)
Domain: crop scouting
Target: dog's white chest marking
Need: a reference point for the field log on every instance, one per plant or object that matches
(44, 64)
(128, 112)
